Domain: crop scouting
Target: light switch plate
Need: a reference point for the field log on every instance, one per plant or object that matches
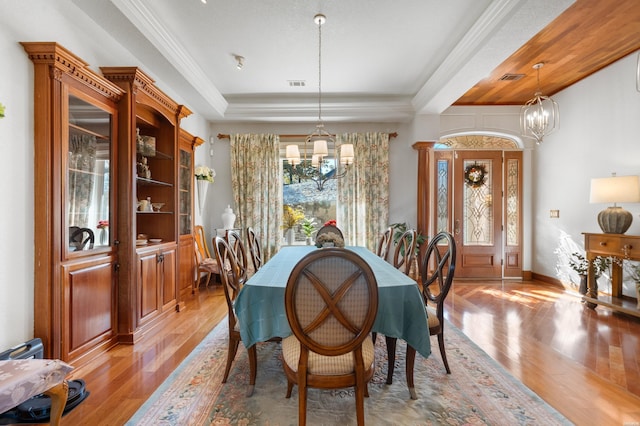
(554, 214)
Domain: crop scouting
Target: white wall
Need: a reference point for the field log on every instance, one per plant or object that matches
(599, 134)
(39, 20)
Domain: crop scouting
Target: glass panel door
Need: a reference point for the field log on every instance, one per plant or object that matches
(88, 186)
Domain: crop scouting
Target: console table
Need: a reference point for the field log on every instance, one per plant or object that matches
(620, 246)
(23, 378)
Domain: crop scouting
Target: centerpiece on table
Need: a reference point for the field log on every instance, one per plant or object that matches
(329, 239)
(308, 228)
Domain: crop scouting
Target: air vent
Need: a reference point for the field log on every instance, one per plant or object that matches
(297, 83)
(511, 77)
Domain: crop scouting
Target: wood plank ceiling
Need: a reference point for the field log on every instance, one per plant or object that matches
(587, 37)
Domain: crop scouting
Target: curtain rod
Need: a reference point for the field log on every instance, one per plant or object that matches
(226, 136)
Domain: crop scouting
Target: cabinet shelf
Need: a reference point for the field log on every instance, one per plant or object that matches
(74, 128)
(151, 182)
(160, 212)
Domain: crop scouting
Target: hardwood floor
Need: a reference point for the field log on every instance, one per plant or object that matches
(584, 363)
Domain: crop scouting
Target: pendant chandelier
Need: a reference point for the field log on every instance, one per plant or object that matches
(540, 116)
(320, 160)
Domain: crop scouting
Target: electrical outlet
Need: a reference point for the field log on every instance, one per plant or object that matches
(554, 214)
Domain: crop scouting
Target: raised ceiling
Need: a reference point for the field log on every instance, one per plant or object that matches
(381, 60)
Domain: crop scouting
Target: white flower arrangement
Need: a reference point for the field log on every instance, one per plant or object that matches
(205, 173)
(324, 239)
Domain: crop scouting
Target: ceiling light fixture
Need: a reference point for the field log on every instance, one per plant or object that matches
(540, 116)
(240, 61)
(325, 163)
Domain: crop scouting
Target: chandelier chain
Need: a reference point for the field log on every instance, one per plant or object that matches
(319, 70)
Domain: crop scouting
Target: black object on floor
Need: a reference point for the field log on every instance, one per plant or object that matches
(38, 408)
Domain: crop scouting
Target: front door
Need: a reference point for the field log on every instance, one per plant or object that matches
(477, 213)
(478, 198)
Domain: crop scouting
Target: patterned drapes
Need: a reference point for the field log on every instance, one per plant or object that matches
(363, 194)
(257, 187)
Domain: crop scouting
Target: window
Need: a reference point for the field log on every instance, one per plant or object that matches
(315, 198)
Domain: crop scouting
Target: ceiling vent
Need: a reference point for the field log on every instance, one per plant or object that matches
(297, 83)
(511, 77)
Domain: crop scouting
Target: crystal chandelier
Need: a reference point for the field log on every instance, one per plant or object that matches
(324, 162)
(540, 116)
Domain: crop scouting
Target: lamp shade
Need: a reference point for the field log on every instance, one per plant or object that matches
(320, 148)
(615, 189)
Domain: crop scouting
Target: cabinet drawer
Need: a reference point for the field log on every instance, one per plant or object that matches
(602, 244)
(630, 247)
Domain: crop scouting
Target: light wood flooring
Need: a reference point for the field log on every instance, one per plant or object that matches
(584, 363)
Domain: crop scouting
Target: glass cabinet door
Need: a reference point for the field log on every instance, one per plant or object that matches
(186, 179)
(88, 186)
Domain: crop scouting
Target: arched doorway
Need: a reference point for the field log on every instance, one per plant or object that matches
(473, 184)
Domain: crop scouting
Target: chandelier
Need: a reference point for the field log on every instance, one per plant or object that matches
(540, 116)
(320, 161)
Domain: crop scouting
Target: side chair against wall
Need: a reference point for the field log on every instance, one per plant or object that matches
(235, 241)
(384, 243)
(204, 262)
(331, 300)
(225, 255)
(255, 249)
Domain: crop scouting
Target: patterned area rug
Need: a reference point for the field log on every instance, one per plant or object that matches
(477, 392)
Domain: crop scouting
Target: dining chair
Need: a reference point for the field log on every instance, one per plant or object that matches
(329, 228)
(331, 302)
(204, 262)
(81, 238)
(436, 271)
(230, 277)
(255, 249)
(384, 243)
(405, 251)
(234, 239)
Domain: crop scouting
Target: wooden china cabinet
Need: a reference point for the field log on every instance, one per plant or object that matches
(75, 225)
(110, 164)
(149, 134)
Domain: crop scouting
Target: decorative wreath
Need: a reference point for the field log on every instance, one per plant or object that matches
(475, 175)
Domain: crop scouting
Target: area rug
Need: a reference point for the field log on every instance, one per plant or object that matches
(478, 392)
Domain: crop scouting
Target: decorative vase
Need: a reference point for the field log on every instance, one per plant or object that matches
(203, 186)
(104, 236)
(228, 218)
(309, 241)
(583, 285)
(290, 236)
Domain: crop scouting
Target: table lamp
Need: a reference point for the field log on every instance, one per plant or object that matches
(615, 189)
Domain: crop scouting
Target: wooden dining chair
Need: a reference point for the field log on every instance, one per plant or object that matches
(230, 277)
(81, 238)
(436, 271)
(331, 301)
(254, 249)
(235, 241)
(384, 243)
(405, 251)
(205, 264)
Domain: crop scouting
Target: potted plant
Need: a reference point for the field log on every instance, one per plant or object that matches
(579, 263)
(634, 271)
(402, 227)
(308, 228)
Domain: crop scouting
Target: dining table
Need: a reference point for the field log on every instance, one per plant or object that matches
(401, 313)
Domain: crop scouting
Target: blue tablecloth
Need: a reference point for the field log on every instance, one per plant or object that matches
(260, 304)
